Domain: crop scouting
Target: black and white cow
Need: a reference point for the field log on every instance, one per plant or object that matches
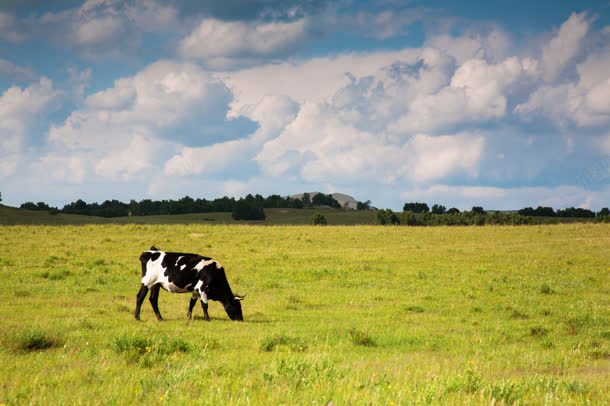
(179, 273)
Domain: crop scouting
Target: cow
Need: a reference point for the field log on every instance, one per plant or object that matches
(180, 273)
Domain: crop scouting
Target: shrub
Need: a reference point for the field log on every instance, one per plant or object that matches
(56, 275)
(361, 338)
(546, 289)
(415, 309)
(318, 219)
(35, 339)
(387, 216)
(539, 331)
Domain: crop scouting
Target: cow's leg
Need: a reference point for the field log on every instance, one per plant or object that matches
(192, 304)
(204, 305)
(140, 299)
(154, 300)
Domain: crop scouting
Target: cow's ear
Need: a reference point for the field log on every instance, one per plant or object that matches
(239, 297)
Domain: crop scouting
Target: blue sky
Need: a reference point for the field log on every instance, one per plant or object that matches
(503, 104)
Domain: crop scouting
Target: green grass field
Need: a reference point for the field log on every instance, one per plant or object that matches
(352, 315)
(15, 216)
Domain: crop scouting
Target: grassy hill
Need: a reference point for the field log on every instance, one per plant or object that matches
(15, 216)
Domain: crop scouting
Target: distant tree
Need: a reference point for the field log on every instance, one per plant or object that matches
(0, 196)
(246, 209)
(40, 206)
(306, 200)
(438, 209)
(297, 203)
(408, 218)
(318, 219)
(320, 199)
(478, 210)
(453, 210)
(387, 216)
(603, 212)
(28, 206)
(575, 212)
(363, 205)
(527, 211)
(416, 207)
(544, 212)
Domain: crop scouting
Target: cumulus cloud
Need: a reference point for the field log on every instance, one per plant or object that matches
(127, 126)
(318, 146)
(585, 103)
(312, 80)
(98, 29)
(272, 114)
(565, 45)
(492, 45)
(477, 92)
(20, 108)
(227, 44)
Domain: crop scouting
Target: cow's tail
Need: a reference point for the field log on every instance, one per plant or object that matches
(144, 257)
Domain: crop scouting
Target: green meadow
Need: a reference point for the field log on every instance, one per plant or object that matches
(341, 314)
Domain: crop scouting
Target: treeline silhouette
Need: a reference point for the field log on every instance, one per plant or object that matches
(420, 214)
(247, 208)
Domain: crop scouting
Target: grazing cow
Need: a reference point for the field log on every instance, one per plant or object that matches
(180, 273)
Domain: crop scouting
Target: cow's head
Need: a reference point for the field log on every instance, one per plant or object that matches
(233, 308)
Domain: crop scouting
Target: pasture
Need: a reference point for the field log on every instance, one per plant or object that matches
(352, 315)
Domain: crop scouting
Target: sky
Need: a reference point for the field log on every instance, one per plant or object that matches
(502, 104)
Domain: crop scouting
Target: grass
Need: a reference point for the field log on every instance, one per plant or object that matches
(278, 342)
(349, 315)
(35, 339)
(15, 216)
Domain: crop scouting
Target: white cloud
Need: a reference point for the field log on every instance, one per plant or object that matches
(565, 45)
(477, 93)
(585, 103)
(210, 159)
(138, 155)
(319, 147)
(63, 167)
(101, 29)
(272, 114)
(492, 46)
(124, 126)
(312, 80)
(227, 44)
(19, 110)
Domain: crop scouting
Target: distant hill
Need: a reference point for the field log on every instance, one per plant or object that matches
(344, 200)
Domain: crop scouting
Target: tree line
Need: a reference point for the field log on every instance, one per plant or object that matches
(420, 214)
(250, 207)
